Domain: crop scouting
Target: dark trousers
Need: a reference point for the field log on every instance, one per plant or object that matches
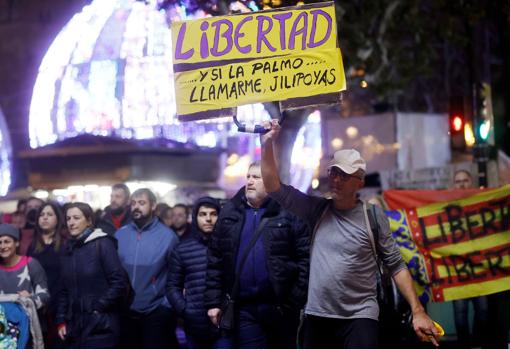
(499, 320)
(481, 318)
(325, 333)
(266, 326)
(206, 342)
(155, 330)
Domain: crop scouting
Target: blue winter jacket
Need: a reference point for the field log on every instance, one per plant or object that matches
(145, 254)
(186, 279)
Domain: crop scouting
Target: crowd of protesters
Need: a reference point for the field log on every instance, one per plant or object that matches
(271, 268)
(126, 277)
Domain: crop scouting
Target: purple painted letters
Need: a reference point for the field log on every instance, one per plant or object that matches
(238, 35)
(178, 45)
(282, 17)
(315, 14)
(261, 33)
(227, 34)
(294, 32)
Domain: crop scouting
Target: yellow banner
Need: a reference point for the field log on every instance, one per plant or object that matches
(276, 55)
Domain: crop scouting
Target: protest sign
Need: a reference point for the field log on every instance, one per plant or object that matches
(464, 245)
(275, 55)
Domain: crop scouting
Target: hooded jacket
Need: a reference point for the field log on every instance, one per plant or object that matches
(94, 285)
(188, 268)
(285, 240)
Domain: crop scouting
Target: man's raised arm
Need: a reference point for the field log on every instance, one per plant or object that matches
(269, 168)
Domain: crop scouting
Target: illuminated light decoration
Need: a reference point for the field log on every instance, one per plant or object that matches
(99, 196)
(41, 194)
(337, 143)
(372, 147)
(352, 132)
(159, 188)
(109, 73)
(5, 156)
(232, 159)
(306, 153)
(253, 6)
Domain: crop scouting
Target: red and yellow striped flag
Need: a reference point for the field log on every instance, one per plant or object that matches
(465, 244)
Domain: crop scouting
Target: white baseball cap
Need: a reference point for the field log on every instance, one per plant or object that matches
(348, 160)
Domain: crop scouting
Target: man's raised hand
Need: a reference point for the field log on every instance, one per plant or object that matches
(274, 129)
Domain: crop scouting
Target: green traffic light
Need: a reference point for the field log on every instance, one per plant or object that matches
(483, 130)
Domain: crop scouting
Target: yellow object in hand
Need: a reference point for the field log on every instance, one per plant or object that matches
(439, 329)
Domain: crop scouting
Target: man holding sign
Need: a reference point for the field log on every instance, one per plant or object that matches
(342, 309)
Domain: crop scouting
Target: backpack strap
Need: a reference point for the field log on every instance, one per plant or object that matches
(373, 230)
(321, 212)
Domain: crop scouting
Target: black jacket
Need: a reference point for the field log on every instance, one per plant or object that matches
(186, 278)
(94, 284)
(106, 222)
(187, 272)
(286, 243)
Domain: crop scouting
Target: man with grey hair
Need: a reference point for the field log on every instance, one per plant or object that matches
(258, 256)
(342, 308)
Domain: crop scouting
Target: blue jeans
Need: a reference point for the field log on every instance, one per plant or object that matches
(208, 343)
(464, 338)
(266, 326)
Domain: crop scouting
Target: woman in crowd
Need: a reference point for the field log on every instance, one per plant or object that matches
(47, 248)
(94, 284)
(21, 277)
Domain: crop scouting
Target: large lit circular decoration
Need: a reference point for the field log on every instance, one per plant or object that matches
(109, 73)
(5, 156)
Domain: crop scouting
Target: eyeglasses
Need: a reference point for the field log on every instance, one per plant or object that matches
(334, 173)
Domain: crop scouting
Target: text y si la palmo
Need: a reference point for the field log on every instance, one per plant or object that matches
(236, 88)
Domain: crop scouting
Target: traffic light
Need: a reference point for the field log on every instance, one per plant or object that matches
(457, 123)
(484, 118)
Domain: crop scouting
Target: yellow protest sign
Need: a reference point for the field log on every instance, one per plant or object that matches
(275, 55)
